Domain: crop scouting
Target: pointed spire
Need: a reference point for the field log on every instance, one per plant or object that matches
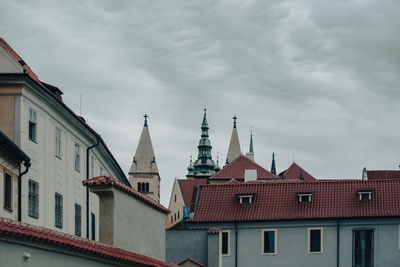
(144, 160)
(273, 167)
(234, 145)
(217, 167)
(250, 154)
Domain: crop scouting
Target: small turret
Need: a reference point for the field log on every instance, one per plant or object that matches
(250, 154)
(273, 167)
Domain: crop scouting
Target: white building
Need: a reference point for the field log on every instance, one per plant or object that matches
(33, 115)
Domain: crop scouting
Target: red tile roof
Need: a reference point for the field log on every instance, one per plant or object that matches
(22, 231)
(279, 201)
(236, 169)
(214, 231)
(106, 180)
(294, 171)
(383, 174)
(192, 260)
(187, 186)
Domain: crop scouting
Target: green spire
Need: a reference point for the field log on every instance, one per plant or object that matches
(273, 168)
(251, 150)
(204, 166)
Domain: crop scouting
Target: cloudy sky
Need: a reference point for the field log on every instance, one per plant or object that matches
(318, 81)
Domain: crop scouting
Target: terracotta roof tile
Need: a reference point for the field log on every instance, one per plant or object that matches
(106, 180)
(294, 171)
(236, 170)
(17, 230)
(192, 260)
(279, 201)
(383, 174)
(213, 231)
(187, 186)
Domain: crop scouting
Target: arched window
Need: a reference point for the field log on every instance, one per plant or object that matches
(178, 214)
(147, 187)
(175, 216)
(139, 187)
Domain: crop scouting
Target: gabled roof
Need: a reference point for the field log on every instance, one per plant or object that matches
(186, 186)
(294, 171)
(43, 236)
(191, 260)
(236, 169)
(106, 180)
(279, 201)
(383, 174)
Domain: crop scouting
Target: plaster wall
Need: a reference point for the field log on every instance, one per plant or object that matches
(183, 244)
(176, 205)
(8, 64)
(9, 166)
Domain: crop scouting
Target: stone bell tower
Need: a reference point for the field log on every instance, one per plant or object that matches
(144, 175)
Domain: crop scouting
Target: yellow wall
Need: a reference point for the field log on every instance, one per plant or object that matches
(7, 110)
(175, 206)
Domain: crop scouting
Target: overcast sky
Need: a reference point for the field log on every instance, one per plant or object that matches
(318, 81)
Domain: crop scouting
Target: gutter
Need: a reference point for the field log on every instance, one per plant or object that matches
(27, 164)
(87, 188)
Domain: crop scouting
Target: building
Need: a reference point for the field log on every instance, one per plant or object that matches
(144, 175)
(64, 150)
(380, 174)
(295, 172)
(292, 223)
(234, 150)
(11, 173)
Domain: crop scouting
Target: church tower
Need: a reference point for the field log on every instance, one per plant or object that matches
(204, 167)
(143, 175)
(250, 154)
(234, 145)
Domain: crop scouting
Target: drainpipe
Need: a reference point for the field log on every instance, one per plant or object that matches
(236, 245)
(87, 188)
(27, 164)
(337, 243)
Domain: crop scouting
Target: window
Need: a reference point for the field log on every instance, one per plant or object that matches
(58, 142)
(363, 248)
(32, 125)
(78, 219)
(77, 157)
(7, 192)
(314, 240)
(174, 216)
(93, 217)
(147, 187)
(268, 240)
(92, 166)
(225, 243)
(33, 199)
(58, 210)
(304, 197)
(245, 199)
(175, 197)
(139, 186)
(178, 215)
(365, 195)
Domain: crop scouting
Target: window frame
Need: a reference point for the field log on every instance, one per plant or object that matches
(58, 210)
(228, 242)
(275, 230)
(33, 199)
(301, 195)
(77, 157)
(9, 198)
(321, 245)
(58, 142)
(78, 219)
(372, 230)
(32, 120)
(250, 197)
(365, 193)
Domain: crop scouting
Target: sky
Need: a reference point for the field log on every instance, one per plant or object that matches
(317, 81)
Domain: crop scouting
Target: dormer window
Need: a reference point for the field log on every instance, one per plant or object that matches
(304, 197)
(365, 195)
(246, 199)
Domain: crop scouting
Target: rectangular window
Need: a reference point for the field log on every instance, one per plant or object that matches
(7, 192)
(32, 125)
(363, 248)
(225, 243)
(78, 219)
(93, 217)
(58, 210)
(304, 197)
(58, 142)
(33, 199)
(268, 241)
(315, 240)
(77, 158)
(245, 199)
(92, 166)
(365, 195)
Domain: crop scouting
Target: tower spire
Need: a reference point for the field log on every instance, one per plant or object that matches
(250, 154)
(273, 167)
(145, 119)
(234, 145)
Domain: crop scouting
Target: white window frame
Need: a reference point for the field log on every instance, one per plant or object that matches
(361, 193)
(77, 157)
(275, 241)
(300, 195)
(241, 197)
(309, 240)
(58, 142)
(229, 241)
(32, 119)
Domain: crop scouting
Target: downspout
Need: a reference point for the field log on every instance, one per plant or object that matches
(27, 164)
(236, 245)
(87, 188)
(337, 243)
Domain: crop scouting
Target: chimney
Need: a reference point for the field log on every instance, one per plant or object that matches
(365, 174)
(250, 175)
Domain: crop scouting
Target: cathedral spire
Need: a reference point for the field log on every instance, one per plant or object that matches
(250, 154)
(273, 167)
(234, 145)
